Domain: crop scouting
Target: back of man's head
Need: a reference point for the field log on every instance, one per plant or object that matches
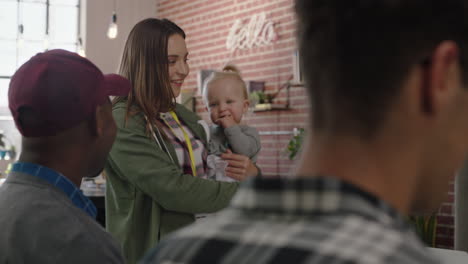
(57, 98)
(357, 53)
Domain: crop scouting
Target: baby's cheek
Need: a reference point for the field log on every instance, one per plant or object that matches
(213, 115)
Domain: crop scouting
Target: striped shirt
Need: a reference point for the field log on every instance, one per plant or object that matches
(300, 220)
(60, 182)
(176, 136)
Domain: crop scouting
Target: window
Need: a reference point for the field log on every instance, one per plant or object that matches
(31, 26)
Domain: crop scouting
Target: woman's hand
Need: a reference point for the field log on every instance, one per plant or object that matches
(239, 167)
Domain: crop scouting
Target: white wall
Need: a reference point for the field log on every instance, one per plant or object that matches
(104, 52)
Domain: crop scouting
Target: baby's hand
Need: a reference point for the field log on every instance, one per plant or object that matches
(226, 120)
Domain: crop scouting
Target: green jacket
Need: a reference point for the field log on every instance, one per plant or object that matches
(147, 195)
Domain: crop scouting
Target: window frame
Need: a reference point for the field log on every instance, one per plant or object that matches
(49, 5)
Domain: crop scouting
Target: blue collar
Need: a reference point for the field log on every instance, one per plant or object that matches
(59, 181)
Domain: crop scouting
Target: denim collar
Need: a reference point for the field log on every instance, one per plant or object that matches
(60, 182)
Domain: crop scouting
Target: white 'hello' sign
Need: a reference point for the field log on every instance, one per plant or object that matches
(258, 32)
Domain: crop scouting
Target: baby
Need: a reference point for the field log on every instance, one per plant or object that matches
(226, 98)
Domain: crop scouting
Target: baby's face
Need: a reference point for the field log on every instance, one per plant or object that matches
(226, 102)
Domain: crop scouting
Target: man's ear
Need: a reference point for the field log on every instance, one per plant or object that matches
(98, 121)
(439, 73)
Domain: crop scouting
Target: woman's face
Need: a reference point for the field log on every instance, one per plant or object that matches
(177, 56)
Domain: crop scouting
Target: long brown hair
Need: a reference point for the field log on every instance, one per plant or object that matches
(144, 62)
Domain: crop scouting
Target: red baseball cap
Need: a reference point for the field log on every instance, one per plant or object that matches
(63, 89)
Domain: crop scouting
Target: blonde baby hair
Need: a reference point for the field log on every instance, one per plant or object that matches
(228, 71)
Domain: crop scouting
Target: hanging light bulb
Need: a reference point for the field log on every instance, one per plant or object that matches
(81, 50)
(46, 42)
(113, 29)
(20, 35)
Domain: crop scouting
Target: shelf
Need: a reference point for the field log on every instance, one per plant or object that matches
(270, 107)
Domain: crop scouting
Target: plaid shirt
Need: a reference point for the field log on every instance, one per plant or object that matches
(176, 136)
(302, 220)
(60, 182)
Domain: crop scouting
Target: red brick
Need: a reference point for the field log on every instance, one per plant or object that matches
(444, 242)
(450, 198)
(446, 210)
(445, 220)
(445, 231)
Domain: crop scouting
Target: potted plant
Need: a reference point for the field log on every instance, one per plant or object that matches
(295, 144)
(425, 227)
(260, 97)
(2, 145)
(7, 150)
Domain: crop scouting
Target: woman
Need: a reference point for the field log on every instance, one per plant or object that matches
(156, 167)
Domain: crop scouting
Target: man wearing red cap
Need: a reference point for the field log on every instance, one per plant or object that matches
(60, 104)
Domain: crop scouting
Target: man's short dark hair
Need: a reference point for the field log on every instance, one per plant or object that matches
(356, 54)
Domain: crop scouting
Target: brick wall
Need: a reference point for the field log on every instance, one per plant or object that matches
(445, 220)
(207, 24)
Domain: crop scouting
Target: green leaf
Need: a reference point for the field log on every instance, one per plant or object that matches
(425, 227)
(2, 142)
(295, 144)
